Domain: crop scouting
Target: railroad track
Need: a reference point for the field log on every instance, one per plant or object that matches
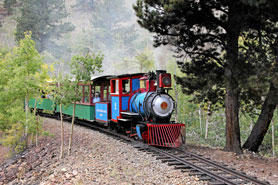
(196, 165)
(206, 169)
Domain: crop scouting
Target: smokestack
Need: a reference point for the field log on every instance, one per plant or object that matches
(158, 72)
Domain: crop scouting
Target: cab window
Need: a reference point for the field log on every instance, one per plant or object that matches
(125, 86)
(115, 86)
(105, 93)
(95, 89)
(143, 84)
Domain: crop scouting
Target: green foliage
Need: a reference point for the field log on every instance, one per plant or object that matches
(28, 68)
(8, 4)
(113, 33)
(204, 55)
(3, 52)
(82, 5)
(45, 133)
(45, 19)
(59, 91)
(143, 61)
(22, 74)
(83, 67)
(13, 138)
(205, 36)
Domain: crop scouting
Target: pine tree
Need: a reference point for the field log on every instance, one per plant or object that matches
(45, 19)
(84, 5)
(8, 4)
(113, 32)
(206, 34)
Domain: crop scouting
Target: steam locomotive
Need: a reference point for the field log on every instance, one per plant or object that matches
(136, 104)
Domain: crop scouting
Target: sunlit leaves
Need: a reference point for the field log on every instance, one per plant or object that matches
(83, 67)
(22, 74)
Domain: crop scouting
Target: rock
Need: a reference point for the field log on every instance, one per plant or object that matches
(74, 172)
(68, 176)
(28, 167)
(64, 169)
(11, 167)
(2, 179)
(37, 163)
(38, 149)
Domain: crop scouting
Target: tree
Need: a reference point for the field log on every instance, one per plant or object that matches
(143, 61)
(8, 4)
(262, 47)
(84, 5)
(207, 33)
(22, 75)
(82, 69)
(60, 99)
(113, 33)
(45, 18)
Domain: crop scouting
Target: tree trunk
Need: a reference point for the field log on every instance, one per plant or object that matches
(26, 118)
(62, 133)
(232, 91)
(207, 120)
(256, 137)
(207, 125)
(37, 130)
(200, 119)
(37, 122)
(176, 95)
(273, 139)
(232, 122)
(72, 124)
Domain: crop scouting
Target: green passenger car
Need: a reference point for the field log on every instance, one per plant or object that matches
(44, 104)
(82, 111)
(85, 108)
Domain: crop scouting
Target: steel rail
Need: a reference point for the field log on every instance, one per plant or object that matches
(203, 170)
(221, 167)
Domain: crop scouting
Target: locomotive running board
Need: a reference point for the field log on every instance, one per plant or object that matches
(165, 135)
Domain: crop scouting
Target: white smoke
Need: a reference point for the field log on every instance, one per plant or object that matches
(161, 56)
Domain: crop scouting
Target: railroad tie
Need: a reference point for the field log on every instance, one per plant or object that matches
(216, 183)
(168, 160)
(175, 163)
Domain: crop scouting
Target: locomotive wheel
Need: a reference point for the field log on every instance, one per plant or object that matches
(145, 136)
(110, 126)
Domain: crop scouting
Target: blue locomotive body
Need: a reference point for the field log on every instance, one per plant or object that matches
(137, 103)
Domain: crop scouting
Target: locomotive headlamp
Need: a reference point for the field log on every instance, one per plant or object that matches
(164, 105)
(165, 80)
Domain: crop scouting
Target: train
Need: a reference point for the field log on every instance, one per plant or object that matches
(138, 105)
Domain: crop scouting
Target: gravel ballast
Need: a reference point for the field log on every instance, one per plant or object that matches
(95, 159)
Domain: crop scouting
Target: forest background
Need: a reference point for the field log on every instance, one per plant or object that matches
(61, 31)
